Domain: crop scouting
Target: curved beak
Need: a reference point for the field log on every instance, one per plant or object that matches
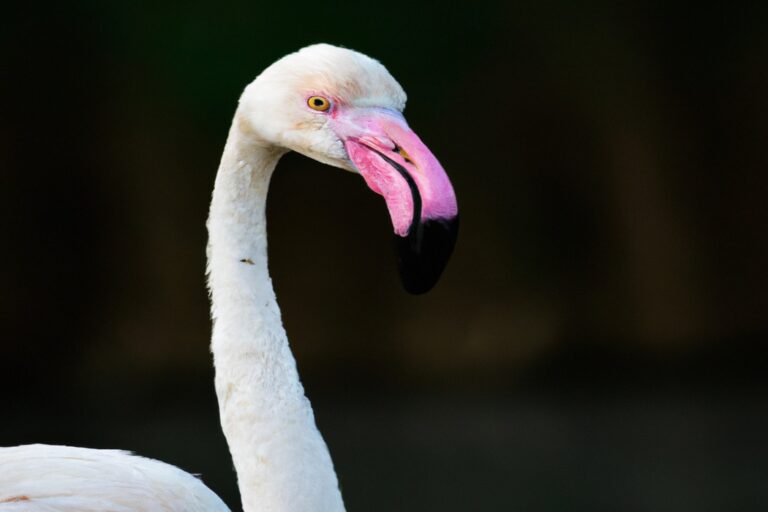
(397, 165)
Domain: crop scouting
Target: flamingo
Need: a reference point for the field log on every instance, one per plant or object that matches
(341, 108)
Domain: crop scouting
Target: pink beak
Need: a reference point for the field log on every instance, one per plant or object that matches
(420, 198)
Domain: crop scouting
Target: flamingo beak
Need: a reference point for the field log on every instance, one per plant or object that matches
(397, 165)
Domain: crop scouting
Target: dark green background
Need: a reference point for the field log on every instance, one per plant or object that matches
(598, 341)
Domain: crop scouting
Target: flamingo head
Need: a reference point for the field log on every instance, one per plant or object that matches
(344, 109)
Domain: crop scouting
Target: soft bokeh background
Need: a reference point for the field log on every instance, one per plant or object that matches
(598, 341)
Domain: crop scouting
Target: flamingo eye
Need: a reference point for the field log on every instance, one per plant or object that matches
(319, 103)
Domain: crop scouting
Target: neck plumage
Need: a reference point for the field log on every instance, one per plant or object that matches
(282, 462)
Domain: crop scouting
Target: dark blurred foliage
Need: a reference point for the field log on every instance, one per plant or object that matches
(597, 342)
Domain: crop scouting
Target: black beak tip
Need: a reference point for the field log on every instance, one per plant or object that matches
(424, 253)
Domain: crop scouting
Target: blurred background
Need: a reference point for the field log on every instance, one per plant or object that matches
(598, 341)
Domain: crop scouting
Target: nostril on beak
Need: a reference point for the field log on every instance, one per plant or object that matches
(403, 153)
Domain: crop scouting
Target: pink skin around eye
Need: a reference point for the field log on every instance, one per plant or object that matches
(374, 135)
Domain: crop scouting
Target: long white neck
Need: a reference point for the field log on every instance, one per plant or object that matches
(282, 462)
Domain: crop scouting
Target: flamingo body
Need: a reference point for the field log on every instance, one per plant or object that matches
(341, 108)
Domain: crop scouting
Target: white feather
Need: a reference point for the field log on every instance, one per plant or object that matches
(46, 478)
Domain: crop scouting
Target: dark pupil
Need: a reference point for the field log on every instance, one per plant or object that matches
(318, 102)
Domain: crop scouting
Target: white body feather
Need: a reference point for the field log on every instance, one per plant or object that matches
(44, 478)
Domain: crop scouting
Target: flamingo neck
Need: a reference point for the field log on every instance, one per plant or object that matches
(282, 462)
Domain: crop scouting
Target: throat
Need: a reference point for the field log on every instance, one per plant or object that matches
(281, 460)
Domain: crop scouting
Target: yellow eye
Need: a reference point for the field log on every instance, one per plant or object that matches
(318, 103)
